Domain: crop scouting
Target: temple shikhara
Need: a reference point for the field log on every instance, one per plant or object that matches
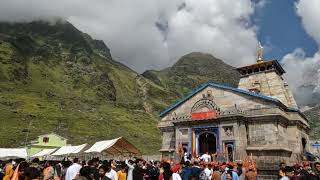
(259, 119)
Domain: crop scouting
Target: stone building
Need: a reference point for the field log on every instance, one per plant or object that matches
(259, 119)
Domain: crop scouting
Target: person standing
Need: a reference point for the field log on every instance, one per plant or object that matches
(168, 174)
(73, 170)
(111, 173)
(229, 170)
(32, 173)
(288, 173)
(138, 172)
(122, 175)
(196, 170)
(281, 172)
(186, 171)
(8, 170)
(250, 175)
(229, 175)
(35, 163)
(152, 170)
(206, 157)
(130, 165)
(93, 164)
(102, 172)
(317, 169)
(216, 175)
(208, 171)
(306, 173)
(48, 172)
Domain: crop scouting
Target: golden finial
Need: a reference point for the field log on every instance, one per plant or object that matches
(259, 59)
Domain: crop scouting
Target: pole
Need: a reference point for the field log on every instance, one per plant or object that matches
(28, 130)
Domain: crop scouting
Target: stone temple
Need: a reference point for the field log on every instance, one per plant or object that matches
(259, 120)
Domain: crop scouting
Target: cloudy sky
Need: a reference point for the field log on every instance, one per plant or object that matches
(153, 34)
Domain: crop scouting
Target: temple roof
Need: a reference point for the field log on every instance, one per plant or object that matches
(242, 91)
(261, 66)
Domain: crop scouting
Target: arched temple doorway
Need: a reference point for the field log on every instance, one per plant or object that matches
(230, 152)
(207, 143)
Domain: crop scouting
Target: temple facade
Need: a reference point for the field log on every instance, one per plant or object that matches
(257, 120)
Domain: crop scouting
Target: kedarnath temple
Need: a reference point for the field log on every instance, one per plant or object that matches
(259, 119)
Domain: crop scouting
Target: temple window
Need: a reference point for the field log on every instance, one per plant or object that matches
(184, 131)
(228, 130)
(45, 139)
(269, 67)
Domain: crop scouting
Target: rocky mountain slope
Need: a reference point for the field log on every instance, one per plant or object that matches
(192, 70)
(313, 116)
(54, 78)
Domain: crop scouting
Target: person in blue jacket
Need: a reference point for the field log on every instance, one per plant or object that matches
(186, 171)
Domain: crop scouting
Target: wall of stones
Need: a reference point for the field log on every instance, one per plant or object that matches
(291, 100)
(168, 140)
(238, 136)
(225, 100)
(262, 134)
(247, 82)
(182, 134)
(271, 84)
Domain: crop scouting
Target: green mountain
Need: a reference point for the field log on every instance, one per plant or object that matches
(313, 116)
(54, 78)
(192, 70)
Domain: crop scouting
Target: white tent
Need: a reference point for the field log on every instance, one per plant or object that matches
(114, 147)
(7, 153)
(45, 152)
(65, 150)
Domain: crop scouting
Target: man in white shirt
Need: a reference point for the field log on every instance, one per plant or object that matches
(206, 157)
(73, 170)
(112, 174)
(208, 171)
(185, 157)
(130, 169)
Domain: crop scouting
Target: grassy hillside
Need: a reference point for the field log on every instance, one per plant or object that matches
(54, 78)
(192, 70)
(314, 120)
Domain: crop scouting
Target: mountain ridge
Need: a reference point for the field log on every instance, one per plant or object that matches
(55, 78)
(192, 70)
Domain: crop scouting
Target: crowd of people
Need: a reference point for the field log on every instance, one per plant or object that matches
(300, 171)
(138, 169)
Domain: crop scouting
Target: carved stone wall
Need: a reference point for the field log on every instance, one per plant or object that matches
(270, 84)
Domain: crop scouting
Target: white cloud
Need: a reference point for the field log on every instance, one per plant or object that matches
(128, 27)
(214, 26)
(308, 10)
(303, 73)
